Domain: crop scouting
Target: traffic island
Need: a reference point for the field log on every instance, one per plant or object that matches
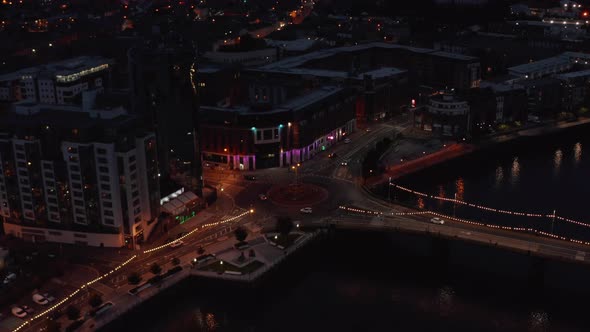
(297, 195)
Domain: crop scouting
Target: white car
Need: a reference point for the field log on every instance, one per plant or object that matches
(40, 299)
(437, 220)
(9, 278)
(262, 197)
(18, 312)
(347, 140)
(306, 210)
(176, 244)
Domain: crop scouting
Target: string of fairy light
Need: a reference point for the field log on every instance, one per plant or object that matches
(132, 258)
(490, 209)
(465, 221)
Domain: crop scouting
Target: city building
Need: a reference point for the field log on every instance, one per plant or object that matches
(56, 83)
(249, 137)
(77, 174)
(445, 114)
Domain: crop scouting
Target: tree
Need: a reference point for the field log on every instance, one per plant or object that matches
(156, 269)
(134, 278)
(95, 300)
(241, 234)
(284, 225)
(72, 312)
(175, 261)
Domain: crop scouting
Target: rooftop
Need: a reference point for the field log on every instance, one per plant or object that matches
(75, 66)
(540, 65)
(297, 61)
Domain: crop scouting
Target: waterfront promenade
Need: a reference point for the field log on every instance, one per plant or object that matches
(269, 255)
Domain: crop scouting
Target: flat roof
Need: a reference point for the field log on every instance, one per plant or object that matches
(376, 73)
(540, 65)
(574, 74)
(60, 68)
(325, 53)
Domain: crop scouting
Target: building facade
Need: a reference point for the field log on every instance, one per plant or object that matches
(56, 83)
(75, 176)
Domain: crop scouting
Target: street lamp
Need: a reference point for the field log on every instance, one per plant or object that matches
(389, 190)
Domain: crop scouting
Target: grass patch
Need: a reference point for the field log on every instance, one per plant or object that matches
(226, 266)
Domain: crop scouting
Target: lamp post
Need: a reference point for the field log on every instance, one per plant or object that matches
(389, 190)
(296, 169)
(454, 205)
(553, 220)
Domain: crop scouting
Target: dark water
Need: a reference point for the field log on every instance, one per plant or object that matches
(535, 176)
(362, 282)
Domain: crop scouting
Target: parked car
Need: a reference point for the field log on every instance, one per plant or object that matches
(18, 312)
(249, 177)
(262, 197)
(176, 244)
(344, 163)
(332, 155)
(9, 278)
(40, 299)
(49, 297)
(347, 140)
(28, 309)
(103, 307)
(437, 220)
(306, 210)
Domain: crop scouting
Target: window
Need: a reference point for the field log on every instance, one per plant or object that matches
(105, 187)
(54, 232)
(268, 134)
(28, 206)
(107, 204)
(132, 167)
(77, 194)
(78, 202)
(102, 160)
(75, 168)
(52, 208)
(80, 236)
(101, 151)
(108, 213)
(19, 147)
(105, 178)
(76, 185)
(135, 194)
(49, 174)
(52, 200)
(103, 169)
(136, 202)
(20, 155)
(80, 211)
(131, 159)
(109, 221)
(75, 176)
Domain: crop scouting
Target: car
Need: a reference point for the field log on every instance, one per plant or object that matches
(306, 210)
(250, 177)
(262, 197)
(368, 130)
(344, 163)
(9, 278)
(103, 307)
(332, 155)
(346, 141)
(176, 244)
(40, 299)
(437, 220)
(28, 309)
(49, 297)
(18, 312)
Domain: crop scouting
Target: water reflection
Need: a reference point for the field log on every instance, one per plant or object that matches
(420, 203)
(441, 193)
(210, 322)
(515, 171)
(577, 153)
(539, 321)
(499, 176)
(557, 159)
(460, 189)
(445, 299)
